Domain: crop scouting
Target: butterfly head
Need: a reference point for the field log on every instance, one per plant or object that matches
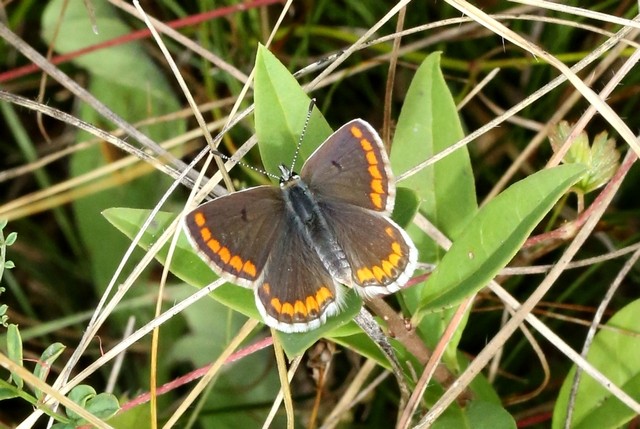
(286, 175)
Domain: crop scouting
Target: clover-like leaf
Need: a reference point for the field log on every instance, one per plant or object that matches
(601, 158)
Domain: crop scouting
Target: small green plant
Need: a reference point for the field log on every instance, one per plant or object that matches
(601, 158)
(101, 405)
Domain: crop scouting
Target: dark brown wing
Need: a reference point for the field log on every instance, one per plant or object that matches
(235, 233)
(352, 167)
(296, 292)
(381, 254)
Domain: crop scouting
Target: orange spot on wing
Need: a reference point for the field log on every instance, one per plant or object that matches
(236, 263)
(366, 145)
(225, 255)
(199, 218)
(287, 310)
(250, 269)
(388, 268)
(267, 289)
(300, 309)
(394, 259)
(312, 306)
(364, 275)
(214, 245)
(374, 172)
(395, 246)
(378, 273)
(371, 158)
(276, 304)
(376, 186)
(205, 233)
(376, 200)
(323, 295)
(356, 132)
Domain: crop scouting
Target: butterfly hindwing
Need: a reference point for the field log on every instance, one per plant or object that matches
(296, 293)
(381, 254)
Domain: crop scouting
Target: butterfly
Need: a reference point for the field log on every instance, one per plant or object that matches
(295, 244)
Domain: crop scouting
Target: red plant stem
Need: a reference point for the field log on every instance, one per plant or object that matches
(193, 375)
(570, 229)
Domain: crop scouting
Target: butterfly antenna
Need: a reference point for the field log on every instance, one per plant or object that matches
(312, 103)
(244, 164)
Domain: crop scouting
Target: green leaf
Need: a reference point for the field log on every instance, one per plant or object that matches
(136, 417)
(64, 426)
(615, 353)
(602, 158)
(45, 362)
(14, 351)
(406, 206)
(495, 235)
(428, 124)
(80, 394)
(11, 238)
(487, 415)
(281, 110)
(103, 406)
(125, 65)
(7, 393)
(476, 415)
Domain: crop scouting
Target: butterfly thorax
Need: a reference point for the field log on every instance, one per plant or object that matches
(303, 209)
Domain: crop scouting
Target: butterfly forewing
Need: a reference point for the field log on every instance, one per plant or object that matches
(352, 167)
(235, 232)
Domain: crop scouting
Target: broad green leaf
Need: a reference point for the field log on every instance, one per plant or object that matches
(615, 353)
(281, 109)
(135, 417)
(476, 415)
(406, 207)
(428, 124)
(495, 235)
(64, 426)
(14, 351)
(485, 409)
(488, 415)
(125, 65)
